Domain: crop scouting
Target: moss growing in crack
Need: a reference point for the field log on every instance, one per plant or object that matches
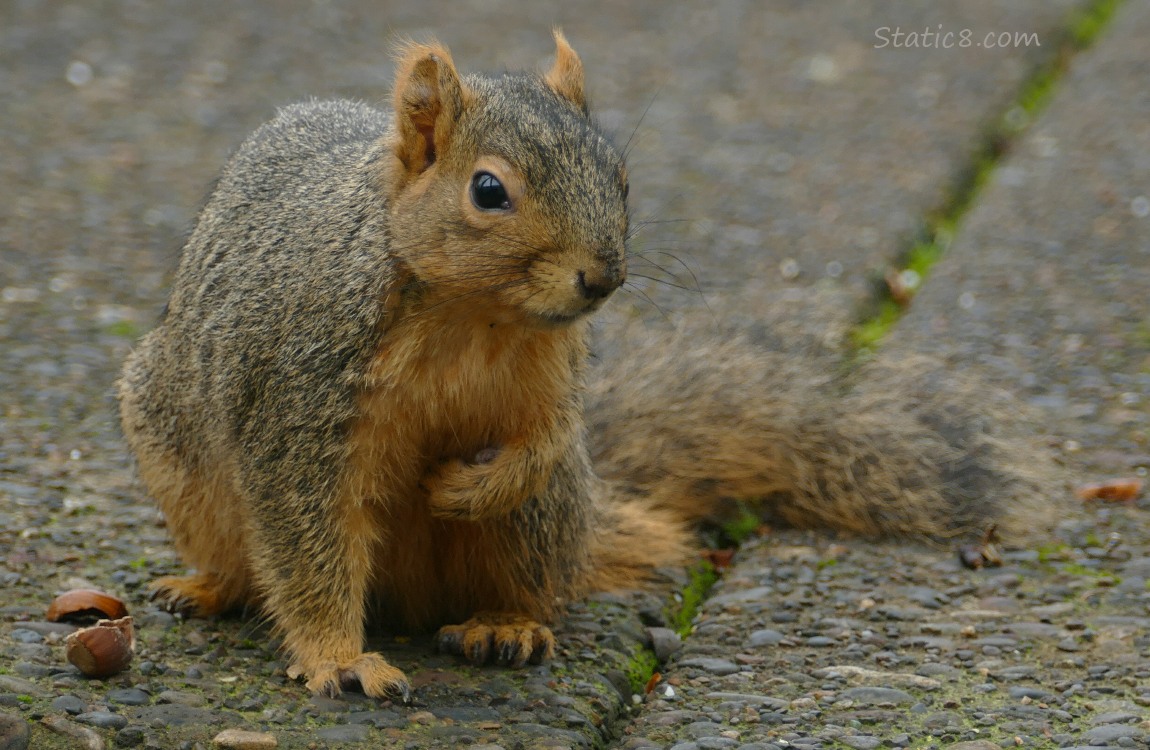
(1081, 29)
(1054, 552)
(1088, 22)
(682, 610)
(640, 667)
(1103, 577)
(740, 528)
(702, 577)
(870, 332)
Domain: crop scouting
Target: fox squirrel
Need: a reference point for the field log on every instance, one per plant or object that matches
(367, 388)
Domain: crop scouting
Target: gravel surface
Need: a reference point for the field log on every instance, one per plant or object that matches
(803, 161)
(813, 642)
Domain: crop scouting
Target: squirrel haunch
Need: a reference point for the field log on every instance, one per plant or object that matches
(368, 384)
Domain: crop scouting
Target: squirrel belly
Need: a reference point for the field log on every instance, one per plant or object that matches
(365, 402)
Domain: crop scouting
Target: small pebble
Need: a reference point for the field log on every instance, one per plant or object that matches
(719, 667)
(861, 742)
(131, 736)
(238, 739)
(1107, 733)
(103, 719)
(765, 637)
(715, 743)
(24, 635)
(664, 642)
(14, 732)
(69, 704)
(345, 733)
(180, 698)
(129, 697)
(877, 695)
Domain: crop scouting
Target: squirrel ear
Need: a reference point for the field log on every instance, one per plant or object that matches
(429, 98)
(566, 75)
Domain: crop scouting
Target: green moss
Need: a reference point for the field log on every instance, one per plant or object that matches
(1052, 552)
(1076, 569)
(1034, 97)
(640, 668)
(124, 328)
(680, 615)
(1081, 29)
(1088, 22)
(742, 526)
(867, 334)
(1140, 336)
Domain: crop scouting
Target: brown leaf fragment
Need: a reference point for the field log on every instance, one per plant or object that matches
(1122, 490)
(720, 558)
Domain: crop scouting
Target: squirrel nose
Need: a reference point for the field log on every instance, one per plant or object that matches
(596, 286)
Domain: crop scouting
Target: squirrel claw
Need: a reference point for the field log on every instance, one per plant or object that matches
(508, 640)
(188, 595)
(368, 672)
(444, 491)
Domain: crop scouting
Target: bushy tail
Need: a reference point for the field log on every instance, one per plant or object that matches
(694, 420)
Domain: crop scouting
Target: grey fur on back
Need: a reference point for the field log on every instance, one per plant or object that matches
(277, 296)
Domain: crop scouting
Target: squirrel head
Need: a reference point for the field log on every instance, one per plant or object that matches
(502, 191)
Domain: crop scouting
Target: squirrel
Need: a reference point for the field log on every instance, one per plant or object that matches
(367, 397)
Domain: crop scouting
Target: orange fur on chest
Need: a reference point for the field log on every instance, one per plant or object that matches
(447, 384)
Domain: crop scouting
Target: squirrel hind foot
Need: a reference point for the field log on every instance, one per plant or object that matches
(370, 673)
(199, 595)
(506, 640)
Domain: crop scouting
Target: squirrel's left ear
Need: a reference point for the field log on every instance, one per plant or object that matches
(429, 98)
(566, 76)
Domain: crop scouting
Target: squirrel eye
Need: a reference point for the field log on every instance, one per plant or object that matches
(488, 193)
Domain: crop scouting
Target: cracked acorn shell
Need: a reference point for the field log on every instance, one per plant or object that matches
(104, 649)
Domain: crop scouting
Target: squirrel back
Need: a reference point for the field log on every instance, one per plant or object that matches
(367, 391)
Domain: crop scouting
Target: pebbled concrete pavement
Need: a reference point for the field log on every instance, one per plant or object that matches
(800, 156)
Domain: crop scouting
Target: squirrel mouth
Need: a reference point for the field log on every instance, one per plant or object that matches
(562, 319)
(559, 320)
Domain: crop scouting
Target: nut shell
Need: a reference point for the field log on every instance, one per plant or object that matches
(79, 604)
(104, 649)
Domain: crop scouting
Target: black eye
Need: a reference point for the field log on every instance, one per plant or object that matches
(488, 193)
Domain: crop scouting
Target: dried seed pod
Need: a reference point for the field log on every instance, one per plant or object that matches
(80, 604)
(104, 649)
(1114, 490)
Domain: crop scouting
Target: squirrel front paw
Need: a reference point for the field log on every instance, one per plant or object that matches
(200, 595)
(370, 672)
(510, 640)
(457, 490)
